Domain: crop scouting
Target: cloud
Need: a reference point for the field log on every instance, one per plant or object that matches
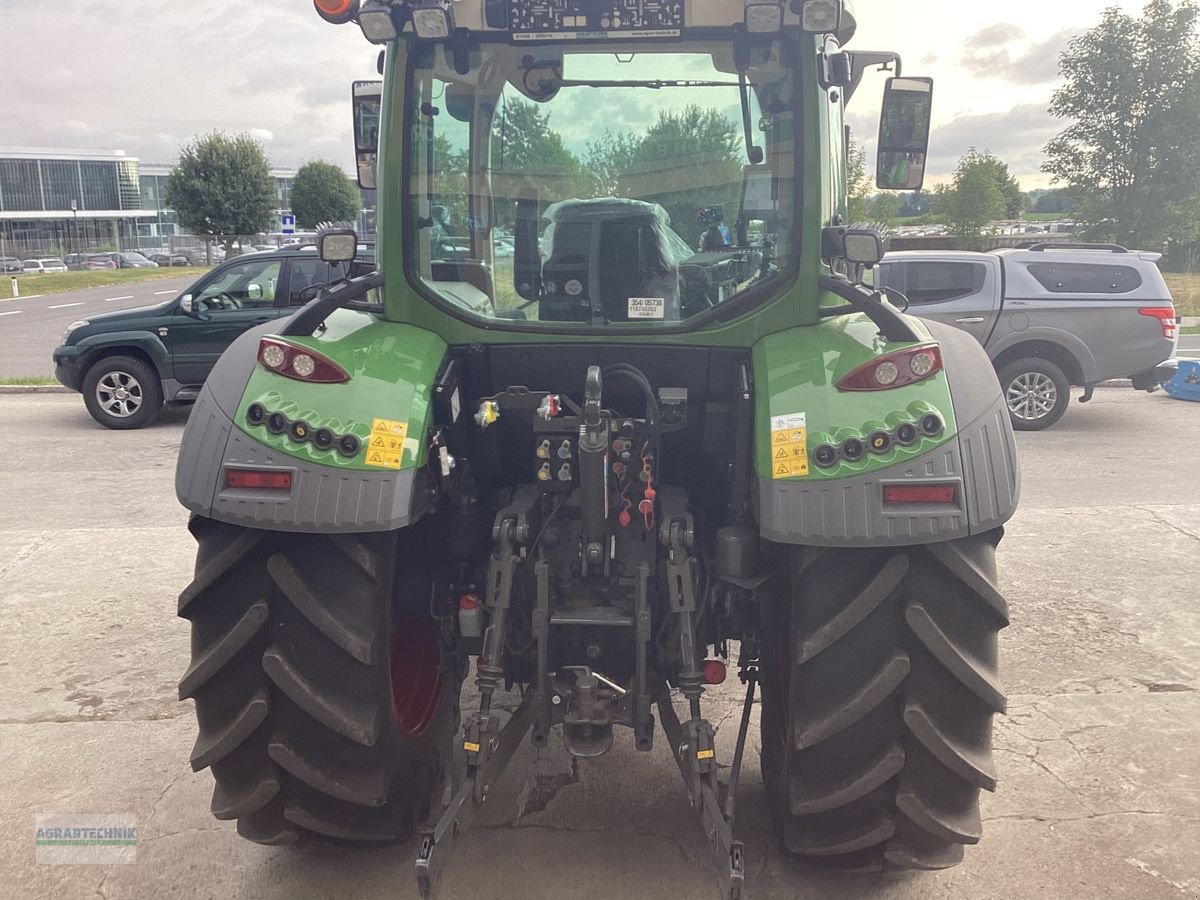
(1037, 65)
(994, 36)
(262, 134)
(1016, 136)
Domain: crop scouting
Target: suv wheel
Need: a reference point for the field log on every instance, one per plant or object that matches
(1037, 393)
(122, 392)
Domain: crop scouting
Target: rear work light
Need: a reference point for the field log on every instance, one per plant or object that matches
(338, 12)
(899, 369)
(1166, 318)
(257, 479)
(919, 493)
(299, 363)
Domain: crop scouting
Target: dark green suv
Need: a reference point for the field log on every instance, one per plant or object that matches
(127, 364)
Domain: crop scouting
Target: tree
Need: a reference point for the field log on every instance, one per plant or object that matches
(1130, 158)
(699, 154)
(608, 158)
(975, 199)
(222, 187)
(884, 208)
(1014, 197)
(858, 184)
(321, 192)
(532, 155)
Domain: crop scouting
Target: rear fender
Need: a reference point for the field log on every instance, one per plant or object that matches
(842, 506)
(392, 368)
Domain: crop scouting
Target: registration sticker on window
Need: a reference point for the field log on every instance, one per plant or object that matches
(647, 307)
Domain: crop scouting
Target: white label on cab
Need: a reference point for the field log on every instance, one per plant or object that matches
(647, 307)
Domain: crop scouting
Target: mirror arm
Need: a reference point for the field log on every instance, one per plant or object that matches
(861, 61)
(892, 325)
(344, 293)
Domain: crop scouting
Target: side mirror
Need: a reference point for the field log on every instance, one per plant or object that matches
(337, 245)
(310, 292)
(185, 304)
(904, 134)
(367, 100)
(254, 291)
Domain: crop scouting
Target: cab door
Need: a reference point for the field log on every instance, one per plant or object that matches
(236, 297)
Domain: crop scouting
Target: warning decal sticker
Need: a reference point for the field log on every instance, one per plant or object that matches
(789, 446)
(385, 446)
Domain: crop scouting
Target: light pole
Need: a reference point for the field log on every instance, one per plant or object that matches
(75, 216)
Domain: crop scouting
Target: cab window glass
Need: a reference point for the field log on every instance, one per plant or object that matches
(248, 285)
(1082, 278)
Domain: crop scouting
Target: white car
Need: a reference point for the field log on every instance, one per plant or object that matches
(42, 266)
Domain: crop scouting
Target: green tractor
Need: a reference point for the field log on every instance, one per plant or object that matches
(616, 409)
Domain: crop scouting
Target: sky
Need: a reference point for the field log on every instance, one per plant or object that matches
(147, 75)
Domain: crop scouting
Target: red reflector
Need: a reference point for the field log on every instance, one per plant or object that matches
(1166, 318)
(468, 601)
(714, 671)
(918, 493)
(252, 478)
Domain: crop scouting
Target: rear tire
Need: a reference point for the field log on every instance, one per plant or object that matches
(1037, 393)
(879, 688)
(301, 720)
(122, 392)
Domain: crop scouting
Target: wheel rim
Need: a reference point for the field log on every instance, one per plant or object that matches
(119, 394)
(416, 674)
(1032, 396)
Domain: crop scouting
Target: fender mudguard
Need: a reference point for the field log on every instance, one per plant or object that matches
(392, 369)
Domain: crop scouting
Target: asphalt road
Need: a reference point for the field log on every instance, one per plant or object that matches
(31, 327)
(1100, 778)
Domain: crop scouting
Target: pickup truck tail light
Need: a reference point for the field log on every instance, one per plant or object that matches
(299, 363)
(1166, 318)
(899, 369)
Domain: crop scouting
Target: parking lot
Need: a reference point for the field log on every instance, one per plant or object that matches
(1100, 778)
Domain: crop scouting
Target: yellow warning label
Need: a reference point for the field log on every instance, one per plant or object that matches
(383, 458)
(385, 447)
(705, 754)
(470, 746)
(789, 448)
(390, 426)
(387, 443)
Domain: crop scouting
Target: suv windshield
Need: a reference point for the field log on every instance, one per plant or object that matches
(599, 185)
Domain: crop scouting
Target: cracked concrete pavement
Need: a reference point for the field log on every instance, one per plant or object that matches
(1100, 776)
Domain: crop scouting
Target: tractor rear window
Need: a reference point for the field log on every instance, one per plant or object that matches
(1083, 278)
(599, 186)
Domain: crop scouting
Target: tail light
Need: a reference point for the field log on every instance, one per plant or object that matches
(336, 11)
(299, 363)
(899, 369)
(1166, 319)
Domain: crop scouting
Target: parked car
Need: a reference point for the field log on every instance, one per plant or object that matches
(128, 363)
(10, 265)
(1050, 316)
(130, 259)
(43, 266)
(167, 259)
(90, 261)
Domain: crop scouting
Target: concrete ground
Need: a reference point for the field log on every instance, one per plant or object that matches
(1100, 774)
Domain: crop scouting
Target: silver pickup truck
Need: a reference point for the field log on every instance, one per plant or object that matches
(1050, 316)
